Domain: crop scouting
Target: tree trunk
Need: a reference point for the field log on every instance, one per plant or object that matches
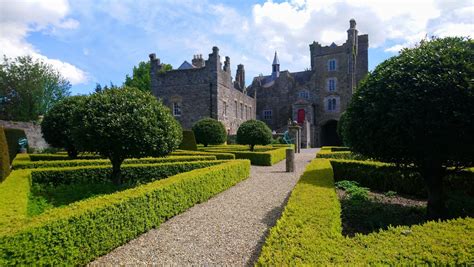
(433, 176)
(252, 147)
(116, 172)
(72, 153)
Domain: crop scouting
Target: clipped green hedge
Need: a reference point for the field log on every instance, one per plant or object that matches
(387, 177)
(131, 173)
(335, 152)
(82, 231)
(4, 156)
(189, 141)
(61, 156)
(23, 162)
(219, 156)
(262, 156)
(13, 135)
(309, 233)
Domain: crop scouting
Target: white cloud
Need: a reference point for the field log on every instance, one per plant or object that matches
(19, 18)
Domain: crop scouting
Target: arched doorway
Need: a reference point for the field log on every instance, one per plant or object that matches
(329, 136)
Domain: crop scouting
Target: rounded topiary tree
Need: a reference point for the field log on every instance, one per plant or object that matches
(417, 109)
(122, 123)
(58, 123)
(253, 132)
(209, 132)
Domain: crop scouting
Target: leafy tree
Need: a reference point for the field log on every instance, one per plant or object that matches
(58, 123)
(29, 88)
(141, 76)
(209, 132)
(253, 132)
(122, 123)
(417, 109)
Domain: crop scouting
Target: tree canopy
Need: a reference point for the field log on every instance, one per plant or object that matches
(209, 132)
(417, 109)
(253, 132)
(141, 76)
(29, 88)
(122, 123)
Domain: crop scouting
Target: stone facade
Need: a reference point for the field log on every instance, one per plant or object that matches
(204, 89)
(32, 131)
(318, 95)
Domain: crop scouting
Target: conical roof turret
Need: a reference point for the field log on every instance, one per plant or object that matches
(275, 59)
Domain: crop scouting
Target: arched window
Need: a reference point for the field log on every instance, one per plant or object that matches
(331, 104)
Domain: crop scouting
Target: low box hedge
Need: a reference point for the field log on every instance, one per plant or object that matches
(266, 157)
(219, 156)
(84, 230)
(22, 162)
(61, 156)
(309, 233)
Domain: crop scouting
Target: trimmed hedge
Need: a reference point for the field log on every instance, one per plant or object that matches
(309, 233)
(388, 177)
(131, 173)
(269, 157)
(84, 230)
(13, 135)
(219, 156)
(189, 141)
(61, 156)
(4, 156)
(334, 152)
(21, 162)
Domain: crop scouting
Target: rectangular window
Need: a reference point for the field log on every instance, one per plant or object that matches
(250, 111)
(177, 109)
(241, 111)
(332, 65)
(246, 112)
(225, 108)
(267, 115)
(331, 84)
(235, 105)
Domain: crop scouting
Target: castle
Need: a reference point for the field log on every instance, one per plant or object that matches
(204, 88)
(314, 98)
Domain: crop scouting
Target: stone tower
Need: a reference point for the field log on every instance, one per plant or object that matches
(275, 67)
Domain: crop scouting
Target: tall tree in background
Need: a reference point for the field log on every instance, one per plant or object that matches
(141, 76)
(29, 88)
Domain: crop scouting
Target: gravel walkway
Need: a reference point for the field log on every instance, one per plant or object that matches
(228, 229)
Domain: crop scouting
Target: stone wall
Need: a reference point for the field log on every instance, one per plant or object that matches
(32, 131)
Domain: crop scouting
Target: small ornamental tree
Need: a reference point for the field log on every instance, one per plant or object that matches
(209, 132)
(417, 109)
(253, 132)
(122, 123)
(58, 123)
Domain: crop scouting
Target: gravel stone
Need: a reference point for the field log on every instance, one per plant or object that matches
(228, 229)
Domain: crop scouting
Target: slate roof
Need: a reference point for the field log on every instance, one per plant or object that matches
(302, 76)
(186, 66)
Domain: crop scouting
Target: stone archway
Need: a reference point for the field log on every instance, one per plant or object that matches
(329, 136)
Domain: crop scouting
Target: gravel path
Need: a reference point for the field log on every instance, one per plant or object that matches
(228, 229)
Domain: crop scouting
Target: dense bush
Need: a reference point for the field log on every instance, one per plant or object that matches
(58, 123)
(123, 123)
(417, 108)
(4, 157)
(80, 232)
(218, 155)
(262, 155)
(309, 232)
(253, 132)
(189, 141)
(209, 132)
(13, 135)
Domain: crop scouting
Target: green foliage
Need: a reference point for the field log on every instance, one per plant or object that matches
(55, 157)
(13, 135)
(125, 123)
(352, 188)
(253, 132)
(189, 141)
(27, 164)
(309, 232)
(82, 231)
(390, 193)
(4, 157)
(209, 132)
(261, 156)
(219, 156)
(29, 88)
(141, 76)
(418, 108)
(58, 123)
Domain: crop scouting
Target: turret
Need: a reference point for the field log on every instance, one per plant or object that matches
(240, 78)
(275, 67)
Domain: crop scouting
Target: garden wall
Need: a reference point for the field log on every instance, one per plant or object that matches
(32, 130)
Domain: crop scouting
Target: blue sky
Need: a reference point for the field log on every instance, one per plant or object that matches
(99, 41)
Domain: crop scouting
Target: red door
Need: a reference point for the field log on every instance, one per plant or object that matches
(301, 115)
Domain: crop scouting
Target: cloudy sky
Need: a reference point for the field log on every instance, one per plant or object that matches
(99, 41)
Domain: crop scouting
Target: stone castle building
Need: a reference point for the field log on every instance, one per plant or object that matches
(204, 88)
(315, 98)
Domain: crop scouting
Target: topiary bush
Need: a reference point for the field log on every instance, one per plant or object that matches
(123, 123)
(4, 157)
(189, 141)
(209, 132)
(253, 132)
(13, 135)
(58, 123)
